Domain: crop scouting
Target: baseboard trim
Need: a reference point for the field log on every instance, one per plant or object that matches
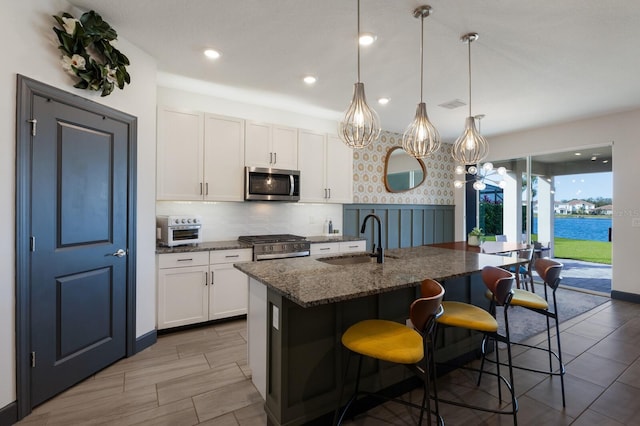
(146, 340)
(9, 414)
(624, 296)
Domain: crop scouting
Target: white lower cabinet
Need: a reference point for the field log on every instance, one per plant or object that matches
(228, 289)
(338, 247)
(349, 246)
(194, 287)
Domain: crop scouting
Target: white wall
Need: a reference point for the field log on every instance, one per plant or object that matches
(621, 130)
(196, 95)
(31, 50)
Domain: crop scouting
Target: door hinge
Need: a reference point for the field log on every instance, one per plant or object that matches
(33, 359)
(34, 123)
(32, 243)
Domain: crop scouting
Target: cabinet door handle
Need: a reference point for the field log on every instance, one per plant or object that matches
(271, 158)
(353, 246)
(325, 248)
(325, 193)
(206, 278)
(329, 193)
(229, 256)
(200, 188)
(275, 157)
(185, 260)
(206, 186)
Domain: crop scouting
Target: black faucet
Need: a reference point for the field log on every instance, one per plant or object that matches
(379, 253)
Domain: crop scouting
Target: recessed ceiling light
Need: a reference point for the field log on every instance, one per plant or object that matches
(309, 79)
(367, 39)
(594, 158)
(605, 161)
(578, 153)
(383, 101)
(212, 54)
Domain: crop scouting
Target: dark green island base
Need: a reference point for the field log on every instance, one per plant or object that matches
(299, 308)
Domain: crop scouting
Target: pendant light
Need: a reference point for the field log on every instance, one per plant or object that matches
(470, 148)
(421, 139)
(360, 125)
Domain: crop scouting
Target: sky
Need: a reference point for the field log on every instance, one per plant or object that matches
(589, 185)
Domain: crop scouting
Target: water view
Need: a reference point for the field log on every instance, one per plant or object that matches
(579, 228)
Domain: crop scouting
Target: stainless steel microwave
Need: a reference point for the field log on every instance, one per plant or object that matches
(266, 184)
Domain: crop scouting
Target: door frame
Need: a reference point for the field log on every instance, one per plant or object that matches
(27, 88)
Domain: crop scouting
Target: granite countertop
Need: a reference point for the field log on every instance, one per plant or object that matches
(208, 246)
(309, 282)
(333, 238)
(235, 244)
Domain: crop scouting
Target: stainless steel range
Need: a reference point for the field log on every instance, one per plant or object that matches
(279, 246)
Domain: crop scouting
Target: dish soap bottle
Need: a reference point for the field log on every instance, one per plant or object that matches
(330, 227)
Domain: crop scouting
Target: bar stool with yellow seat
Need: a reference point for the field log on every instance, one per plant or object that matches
(396, 343)
(549, 270)
(464, 315)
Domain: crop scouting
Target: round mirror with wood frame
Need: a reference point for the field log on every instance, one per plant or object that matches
(402, 172)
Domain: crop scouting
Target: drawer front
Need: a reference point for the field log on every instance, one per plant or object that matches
(325, 248)
(230, 256)
(349, 246)
(178, 260)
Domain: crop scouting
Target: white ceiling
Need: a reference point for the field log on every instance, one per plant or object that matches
(535, 62)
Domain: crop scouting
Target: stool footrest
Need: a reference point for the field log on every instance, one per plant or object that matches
(387, 398)
(561, 371)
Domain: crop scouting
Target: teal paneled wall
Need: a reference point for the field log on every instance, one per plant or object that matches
(403, 225)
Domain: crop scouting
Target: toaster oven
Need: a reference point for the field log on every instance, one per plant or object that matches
(176, 230)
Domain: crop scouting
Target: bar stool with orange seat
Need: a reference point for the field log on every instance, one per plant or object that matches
(549, 270)
(464, 315)
(396, 343)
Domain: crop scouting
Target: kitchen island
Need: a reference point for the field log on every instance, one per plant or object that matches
(299, 308)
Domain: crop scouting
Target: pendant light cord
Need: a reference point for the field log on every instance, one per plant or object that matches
(358, 41)
(421, 55)
(469, 58)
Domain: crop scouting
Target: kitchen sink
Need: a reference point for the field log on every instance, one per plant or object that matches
(352, 259)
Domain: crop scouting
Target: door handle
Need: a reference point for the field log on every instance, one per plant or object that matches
(120, 253)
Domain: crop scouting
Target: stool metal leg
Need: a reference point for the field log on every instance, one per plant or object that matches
(355, 393)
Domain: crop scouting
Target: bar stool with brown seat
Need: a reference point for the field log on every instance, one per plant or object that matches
(464, 315)
(549, 270)
(396, 343)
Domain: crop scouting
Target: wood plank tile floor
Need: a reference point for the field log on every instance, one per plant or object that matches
(200, 377)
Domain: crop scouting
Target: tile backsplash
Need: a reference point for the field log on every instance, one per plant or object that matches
(228, 220)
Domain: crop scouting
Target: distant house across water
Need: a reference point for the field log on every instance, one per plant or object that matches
(605, 210)
(574, 207)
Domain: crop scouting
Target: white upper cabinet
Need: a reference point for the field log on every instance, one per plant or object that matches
(223, 158)
(311, 159)
(339, 170)
(271, 146)
(179, 161)
(326, 168)
(200, 156)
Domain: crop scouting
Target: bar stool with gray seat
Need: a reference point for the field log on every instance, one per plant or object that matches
(393, 342)
(499, 283)
(525, 271)
(549, 270)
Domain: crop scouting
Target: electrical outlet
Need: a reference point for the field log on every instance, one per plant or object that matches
(635, 222)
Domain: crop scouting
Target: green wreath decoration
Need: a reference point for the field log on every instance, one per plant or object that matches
(88, 52)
